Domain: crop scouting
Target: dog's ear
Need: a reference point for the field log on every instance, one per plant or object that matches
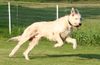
(77, 12)
(72, 11)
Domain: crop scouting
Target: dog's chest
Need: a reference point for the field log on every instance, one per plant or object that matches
(65, 33)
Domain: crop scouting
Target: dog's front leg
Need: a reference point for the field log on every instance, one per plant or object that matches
(73, 41)
(59, 41)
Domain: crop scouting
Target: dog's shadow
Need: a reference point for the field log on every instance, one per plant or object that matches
(86, 56)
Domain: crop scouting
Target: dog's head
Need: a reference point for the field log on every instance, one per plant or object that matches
(75, 18)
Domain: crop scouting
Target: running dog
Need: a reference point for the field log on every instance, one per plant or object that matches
(58, 30)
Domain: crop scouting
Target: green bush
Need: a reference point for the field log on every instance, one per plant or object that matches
(87, 38)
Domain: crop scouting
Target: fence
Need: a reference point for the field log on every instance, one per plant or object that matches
(9, 12)
(22, 14)
(26, 13)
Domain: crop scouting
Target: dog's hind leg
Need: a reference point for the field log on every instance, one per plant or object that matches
(18, 46)
(32, 44)
(73, 41)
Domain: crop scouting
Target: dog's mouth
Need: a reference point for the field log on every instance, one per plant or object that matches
(77, 26)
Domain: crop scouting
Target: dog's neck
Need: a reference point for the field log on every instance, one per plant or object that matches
(65, 21)
(70, 23)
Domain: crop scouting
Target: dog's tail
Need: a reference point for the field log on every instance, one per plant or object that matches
(17, 38)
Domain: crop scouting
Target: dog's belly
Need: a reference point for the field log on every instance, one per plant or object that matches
(50, 36)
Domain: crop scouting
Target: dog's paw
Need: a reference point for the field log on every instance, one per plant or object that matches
(26, 56)
(74, 46)
(57, 45)
(10, 55)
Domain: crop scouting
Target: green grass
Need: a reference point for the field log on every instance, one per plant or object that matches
(88, 37)
(46, 54)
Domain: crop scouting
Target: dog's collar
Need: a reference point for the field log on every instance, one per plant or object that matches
(70, 23)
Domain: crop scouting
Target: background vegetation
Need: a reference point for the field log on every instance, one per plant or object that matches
(56, 1)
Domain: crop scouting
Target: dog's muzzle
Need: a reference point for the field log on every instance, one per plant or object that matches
(78, 25)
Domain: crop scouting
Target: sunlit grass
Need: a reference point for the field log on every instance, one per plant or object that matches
(46, 54)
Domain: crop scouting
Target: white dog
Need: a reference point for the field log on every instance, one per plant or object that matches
(57, 30)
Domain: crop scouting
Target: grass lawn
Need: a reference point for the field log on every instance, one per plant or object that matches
(88, 37)
(46, 54)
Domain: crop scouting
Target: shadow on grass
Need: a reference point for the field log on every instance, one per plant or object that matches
(86, 56)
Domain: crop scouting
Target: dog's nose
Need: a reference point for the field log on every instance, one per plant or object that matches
(80, 24)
